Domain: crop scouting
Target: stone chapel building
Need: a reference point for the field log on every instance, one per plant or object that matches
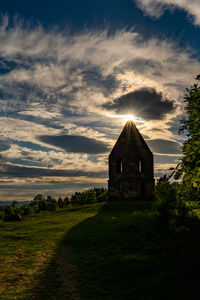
(130, 167)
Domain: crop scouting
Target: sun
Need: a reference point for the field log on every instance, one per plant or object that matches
(126, 118)
(129, 118)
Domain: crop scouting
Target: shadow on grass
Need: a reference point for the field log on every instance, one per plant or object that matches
(122, 254)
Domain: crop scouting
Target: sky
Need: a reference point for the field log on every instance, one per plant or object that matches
(71, 72)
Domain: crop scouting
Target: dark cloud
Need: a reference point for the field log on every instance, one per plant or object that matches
(164, 146)
(13, 171)
(4, 145)
(95, 80)
(145, 103)
(165, 159)
(75, 144)
(57, 185)
(175, 126)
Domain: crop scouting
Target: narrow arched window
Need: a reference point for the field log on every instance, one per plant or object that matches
(140, 166)
(119, 166)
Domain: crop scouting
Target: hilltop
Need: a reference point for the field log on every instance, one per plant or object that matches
(97, 251)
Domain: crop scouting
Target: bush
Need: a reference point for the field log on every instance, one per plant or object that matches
(102, 197)
(172, 209)
(25, 210)
(12, 213)
(39, 203)
(51, 205)
(60, 202)
(66, 201)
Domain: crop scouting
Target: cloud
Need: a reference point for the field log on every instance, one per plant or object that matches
(4, 145)
(160, 169)
(54, 159)
(10, 171)
(75, 144)
(40, 113)
(155, 8)
(27, 190)
(52, 71)
(23, 130)
(56, 84)
(164, 146)
(163, 159)
(145, 103)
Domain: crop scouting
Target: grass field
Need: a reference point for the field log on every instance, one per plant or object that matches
(107, 251)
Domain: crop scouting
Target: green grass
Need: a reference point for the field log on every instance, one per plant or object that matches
(100, 251)
(27, 248)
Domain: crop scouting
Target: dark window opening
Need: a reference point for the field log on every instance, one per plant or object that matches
(119, 166)
(140, 166)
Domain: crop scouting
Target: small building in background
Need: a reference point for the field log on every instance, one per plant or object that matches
(130, 167)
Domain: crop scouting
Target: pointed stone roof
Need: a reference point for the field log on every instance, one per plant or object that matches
(130, 140)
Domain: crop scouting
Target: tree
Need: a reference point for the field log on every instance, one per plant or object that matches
(60, 202)
(66, 201)
(103, 196)
(189, 167)
(39, 203)
(50, 204)
(14, 203)
(12, 213)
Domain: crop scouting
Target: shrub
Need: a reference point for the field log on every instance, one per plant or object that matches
(12, 213)
(102, 197)
(89, 196)
(60, 202)
(66, 201)
(172, 209)
(25, 210)
(50, 204)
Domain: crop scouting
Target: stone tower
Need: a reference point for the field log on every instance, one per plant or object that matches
(130, 167)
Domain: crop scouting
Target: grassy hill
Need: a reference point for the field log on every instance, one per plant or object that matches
(99, 251)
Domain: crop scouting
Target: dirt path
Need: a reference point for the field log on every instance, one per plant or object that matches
(59, 279)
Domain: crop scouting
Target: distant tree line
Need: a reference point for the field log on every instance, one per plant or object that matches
(15, 212)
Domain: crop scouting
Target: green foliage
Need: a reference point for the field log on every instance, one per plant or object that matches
(1, 213)
(102, 197)
(60, 202)
(38, 203)
(15, 212)
(51, 204)
(12, 213)
(173, 212)
(41, 204)
(66, 201)
(89, 196)
(189, 167)
(84, 197)
(25, 210)
(162, 179)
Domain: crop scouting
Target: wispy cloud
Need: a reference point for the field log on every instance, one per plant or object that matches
(155, 8)
(56, 84)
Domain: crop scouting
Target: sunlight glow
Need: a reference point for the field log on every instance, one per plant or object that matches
(128, 117)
